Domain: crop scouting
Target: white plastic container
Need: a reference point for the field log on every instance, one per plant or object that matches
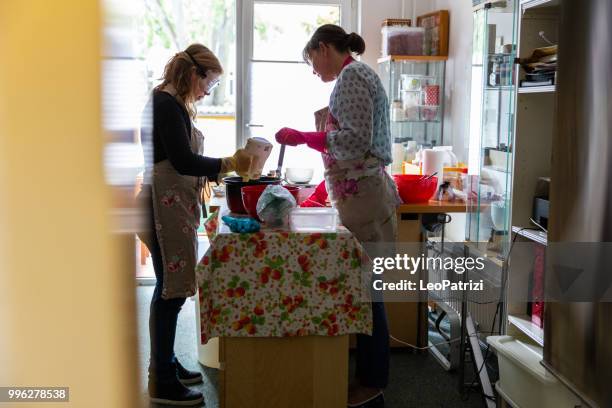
(313, 219)
(523, 381)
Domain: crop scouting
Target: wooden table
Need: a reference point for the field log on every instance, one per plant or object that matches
(271, 371)
(400, 314)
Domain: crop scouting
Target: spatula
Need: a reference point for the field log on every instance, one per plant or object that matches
(281, 156)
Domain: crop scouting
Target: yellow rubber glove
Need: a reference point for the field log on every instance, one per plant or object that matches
(241, 162)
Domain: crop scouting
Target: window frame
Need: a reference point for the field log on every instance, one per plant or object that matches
(244, 50)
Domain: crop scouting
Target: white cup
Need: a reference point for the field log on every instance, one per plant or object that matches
(260, 149)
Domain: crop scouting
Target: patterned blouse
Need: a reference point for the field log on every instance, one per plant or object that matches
(360, 106)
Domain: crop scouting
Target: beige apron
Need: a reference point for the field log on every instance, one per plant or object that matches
(361, 190)
(366, 198)
(177, 207)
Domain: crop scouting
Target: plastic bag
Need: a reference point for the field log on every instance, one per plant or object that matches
(274, 205)
(241, 225)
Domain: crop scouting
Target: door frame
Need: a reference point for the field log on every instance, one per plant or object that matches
(349, 10)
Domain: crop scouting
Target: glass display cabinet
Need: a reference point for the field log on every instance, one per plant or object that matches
(491, 127)
(415, 88)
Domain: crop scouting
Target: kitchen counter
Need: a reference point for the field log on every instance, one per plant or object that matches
(433, 206)
(410, 234)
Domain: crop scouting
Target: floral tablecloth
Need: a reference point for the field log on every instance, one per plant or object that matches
(279, 283)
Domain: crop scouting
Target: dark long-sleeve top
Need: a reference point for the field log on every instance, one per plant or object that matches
(171, 134)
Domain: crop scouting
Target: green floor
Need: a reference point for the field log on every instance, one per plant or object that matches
(417, 380)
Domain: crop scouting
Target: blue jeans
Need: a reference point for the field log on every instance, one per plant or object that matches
(163, 315)
(372, 354)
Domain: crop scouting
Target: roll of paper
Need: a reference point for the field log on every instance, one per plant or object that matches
(433, 162)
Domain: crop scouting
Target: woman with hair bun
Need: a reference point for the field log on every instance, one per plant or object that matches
(174, 171)
(356, 147)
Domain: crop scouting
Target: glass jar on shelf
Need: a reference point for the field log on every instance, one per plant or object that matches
(410, 104)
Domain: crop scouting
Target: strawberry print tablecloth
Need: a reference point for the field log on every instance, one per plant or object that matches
(279, 283)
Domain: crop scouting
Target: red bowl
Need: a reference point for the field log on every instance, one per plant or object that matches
(413, 188)
(251, 194)
(233, 194)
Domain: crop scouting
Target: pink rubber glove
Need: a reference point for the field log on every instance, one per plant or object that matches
(317, 198)
(292, 137)
(316, 140)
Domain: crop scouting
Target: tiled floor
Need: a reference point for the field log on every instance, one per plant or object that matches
(417, 381)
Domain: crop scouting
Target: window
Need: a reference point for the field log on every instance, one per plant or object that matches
(169, 26)
(279, 88)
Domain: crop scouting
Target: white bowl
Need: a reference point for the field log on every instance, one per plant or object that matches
(298, 175)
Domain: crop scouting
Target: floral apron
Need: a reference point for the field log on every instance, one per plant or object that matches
(177, 204)
(363, 193)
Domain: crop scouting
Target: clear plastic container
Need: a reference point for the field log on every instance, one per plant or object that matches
(429, 113)
(398, 38)
(411, 82)
(313, 219)
(410, 104)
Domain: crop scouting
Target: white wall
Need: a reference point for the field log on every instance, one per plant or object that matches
(458, 75)
(458, 70)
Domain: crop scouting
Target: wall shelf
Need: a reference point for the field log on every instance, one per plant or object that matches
(534, 4)
(496, 168)
(536, 236)
(423, 58)
(524, 325)
(489, 4)
(537, 89)
(415, 121)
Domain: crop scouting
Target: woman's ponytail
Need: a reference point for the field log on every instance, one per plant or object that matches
(355, 43)
(336, 36)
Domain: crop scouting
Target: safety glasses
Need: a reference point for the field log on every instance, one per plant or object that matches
(202, 72)
(212, 85)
